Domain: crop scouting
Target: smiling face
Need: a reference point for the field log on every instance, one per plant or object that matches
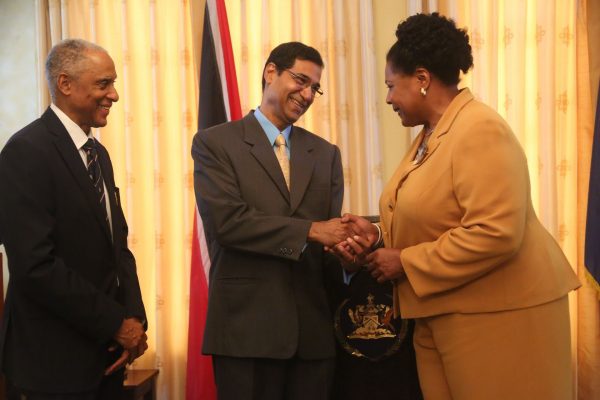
(87, 97)
(286, 97)
(404, 95)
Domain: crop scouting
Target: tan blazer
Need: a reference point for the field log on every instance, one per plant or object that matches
(464, 220)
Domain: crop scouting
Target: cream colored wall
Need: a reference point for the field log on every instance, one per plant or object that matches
(394, 137)
(18, 103)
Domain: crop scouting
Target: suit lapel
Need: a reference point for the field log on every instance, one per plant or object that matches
(301, 165)
(263, 152)
(70, 155)
(407, 166)
(442, 128)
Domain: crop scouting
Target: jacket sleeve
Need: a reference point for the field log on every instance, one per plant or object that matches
(235, 223)
(130, 287)
(130, 293)
(491, 187)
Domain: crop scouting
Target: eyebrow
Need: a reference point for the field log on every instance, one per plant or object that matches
(315, 85)
(106, 80)
(300, 74)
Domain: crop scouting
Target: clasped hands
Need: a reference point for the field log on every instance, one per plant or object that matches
(133, 339)
(356, 250)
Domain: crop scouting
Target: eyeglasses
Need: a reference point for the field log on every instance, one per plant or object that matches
(304, 81)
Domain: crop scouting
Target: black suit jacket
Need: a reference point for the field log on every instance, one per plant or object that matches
(266, 293)
(71, 283)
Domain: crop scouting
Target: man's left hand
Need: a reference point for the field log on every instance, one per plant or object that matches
(128, 355)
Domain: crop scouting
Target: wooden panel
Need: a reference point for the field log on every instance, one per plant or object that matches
(140, 384)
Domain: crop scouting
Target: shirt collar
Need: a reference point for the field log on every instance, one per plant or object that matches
(271, 130)
(77, 134)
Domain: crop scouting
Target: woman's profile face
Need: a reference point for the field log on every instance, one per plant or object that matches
(404, 96)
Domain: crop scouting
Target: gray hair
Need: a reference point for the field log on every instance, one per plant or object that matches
(67, 57)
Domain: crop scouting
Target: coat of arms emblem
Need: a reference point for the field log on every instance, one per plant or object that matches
(365, 326)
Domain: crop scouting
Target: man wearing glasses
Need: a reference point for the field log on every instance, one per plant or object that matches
(270, 195)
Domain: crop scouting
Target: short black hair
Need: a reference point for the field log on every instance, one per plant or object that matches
(286, 54)
(433, 42)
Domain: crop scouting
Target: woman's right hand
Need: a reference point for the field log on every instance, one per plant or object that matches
(352, 252)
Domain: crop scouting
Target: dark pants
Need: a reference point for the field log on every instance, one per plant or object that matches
(111, 388)
(269, 379)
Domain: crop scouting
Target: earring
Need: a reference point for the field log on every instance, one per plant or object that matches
(423, 92)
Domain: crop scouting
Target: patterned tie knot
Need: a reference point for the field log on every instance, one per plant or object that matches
(90, 150)
(89, 145)
(280, 140)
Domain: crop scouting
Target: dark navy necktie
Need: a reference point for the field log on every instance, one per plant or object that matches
(95, 173)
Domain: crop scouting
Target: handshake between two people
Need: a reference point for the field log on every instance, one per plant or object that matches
(356, 242)
(131, 338)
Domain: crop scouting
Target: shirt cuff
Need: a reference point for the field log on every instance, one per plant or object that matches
(347, 276)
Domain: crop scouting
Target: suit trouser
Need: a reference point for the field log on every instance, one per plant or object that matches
(521, 354)
(270, 379)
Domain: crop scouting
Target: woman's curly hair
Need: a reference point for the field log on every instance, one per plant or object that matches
(433, 42)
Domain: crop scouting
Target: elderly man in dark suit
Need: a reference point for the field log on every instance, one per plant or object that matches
(74, 313)
(269, 193)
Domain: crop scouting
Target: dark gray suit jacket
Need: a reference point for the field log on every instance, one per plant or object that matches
(71, 284)
(266, 293)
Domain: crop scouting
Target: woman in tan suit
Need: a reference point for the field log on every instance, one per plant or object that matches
(485, 282)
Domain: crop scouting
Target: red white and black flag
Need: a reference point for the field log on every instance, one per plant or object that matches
(219, 102)
(592, 227)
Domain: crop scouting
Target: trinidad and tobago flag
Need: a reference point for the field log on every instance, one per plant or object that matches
(219, 102)
(592, 228)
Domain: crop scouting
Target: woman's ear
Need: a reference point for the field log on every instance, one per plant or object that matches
(424, 77)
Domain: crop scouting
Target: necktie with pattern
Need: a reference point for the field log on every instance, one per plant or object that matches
(283, 159)
(95, 173)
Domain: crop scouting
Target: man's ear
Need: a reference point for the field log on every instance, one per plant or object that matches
(269, 73)
(64, 84)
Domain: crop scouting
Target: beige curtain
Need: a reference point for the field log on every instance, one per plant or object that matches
(149, 139)
(342, 31)
(531, 64)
